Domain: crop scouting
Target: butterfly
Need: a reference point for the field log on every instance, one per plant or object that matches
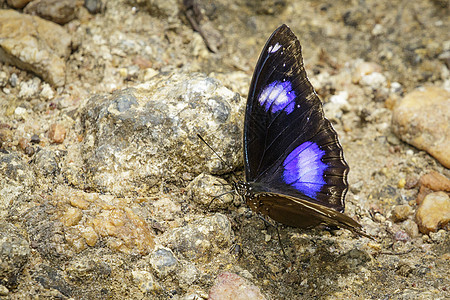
(295, 171)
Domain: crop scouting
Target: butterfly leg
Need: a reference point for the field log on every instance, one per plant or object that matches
(267, 222)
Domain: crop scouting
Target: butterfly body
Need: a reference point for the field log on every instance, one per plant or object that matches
(295, 171)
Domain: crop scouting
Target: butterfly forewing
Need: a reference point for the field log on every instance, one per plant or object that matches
(291, 151)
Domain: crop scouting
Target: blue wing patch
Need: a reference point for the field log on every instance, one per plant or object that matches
(303, 169)
(277, 96)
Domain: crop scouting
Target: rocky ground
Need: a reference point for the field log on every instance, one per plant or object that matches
(105, 189)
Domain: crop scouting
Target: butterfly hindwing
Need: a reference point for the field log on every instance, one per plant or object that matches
(289, 146)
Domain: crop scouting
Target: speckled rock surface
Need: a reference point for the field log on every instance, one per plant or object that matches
(120, 204)
(136, 137)
(14, 254)
(16, 179)
(20, 46)
(422, 118)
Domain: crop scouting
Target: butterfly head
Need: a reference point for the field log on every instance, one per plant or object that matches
(242, 188)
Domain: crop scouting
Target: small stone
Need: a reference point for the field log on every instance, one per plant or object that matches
(149, 73)
(78, 201)
(29, 88)
(401, 183)
(401, 236)
(47, 92)
(144, 280)
(430, 182)
(58, 11)
(163, 261)
(35, 139)
(89, 235)
(210, 191)
(57, 133)
(401, 212)
(411, 228)
(23, 143)
(422, 120)
(231, 286)
(72, 216)
(46, 163)
(378, 29)
(3, 290)
(13, 80)
(29, 151)
(3, 79)
(363, 69)
(20, 111)
(434, 212)
(93, 6)
(18, 3)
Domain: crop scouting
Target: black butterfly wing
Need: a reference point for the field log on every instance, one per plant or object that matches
(289, 147)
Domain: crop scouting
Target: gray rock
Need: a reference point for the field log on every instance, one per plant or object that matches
(18, 3)
(13, 80)
(53, 279)
(16, 178)
(47, 236)
(210, 191)
(46, 163)
(163, 261)
(93, 6)
(136, 137)
(58, 11)
(14, 254)
(34, 44)
(203, 239)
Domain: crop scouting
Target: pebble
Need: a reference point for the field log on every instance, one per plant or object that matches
(57, 133)
(209, 191)
(363, 69)
(145, 281)
(163, 261)
(93, 6)
(401, 212)
(72, 216)
(18, 3)
(31, 43)
(29, 88)
(230, 286)
(20, 111)
(35, 139)
(3, 79)
(47, 92)
(58, 11)
(432, 181)
(3, 290)
(422, 119)
(434, 212)
(411, 228)
(13, 80)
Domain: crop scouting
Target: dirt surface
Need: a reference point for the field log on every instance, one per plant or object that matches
(128, 43)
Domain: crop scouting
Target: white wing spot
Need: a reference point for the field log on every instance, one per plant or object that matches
(274, 48)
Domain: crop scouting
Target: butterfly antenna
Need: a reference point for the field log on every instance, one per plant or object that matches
(217, 154)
